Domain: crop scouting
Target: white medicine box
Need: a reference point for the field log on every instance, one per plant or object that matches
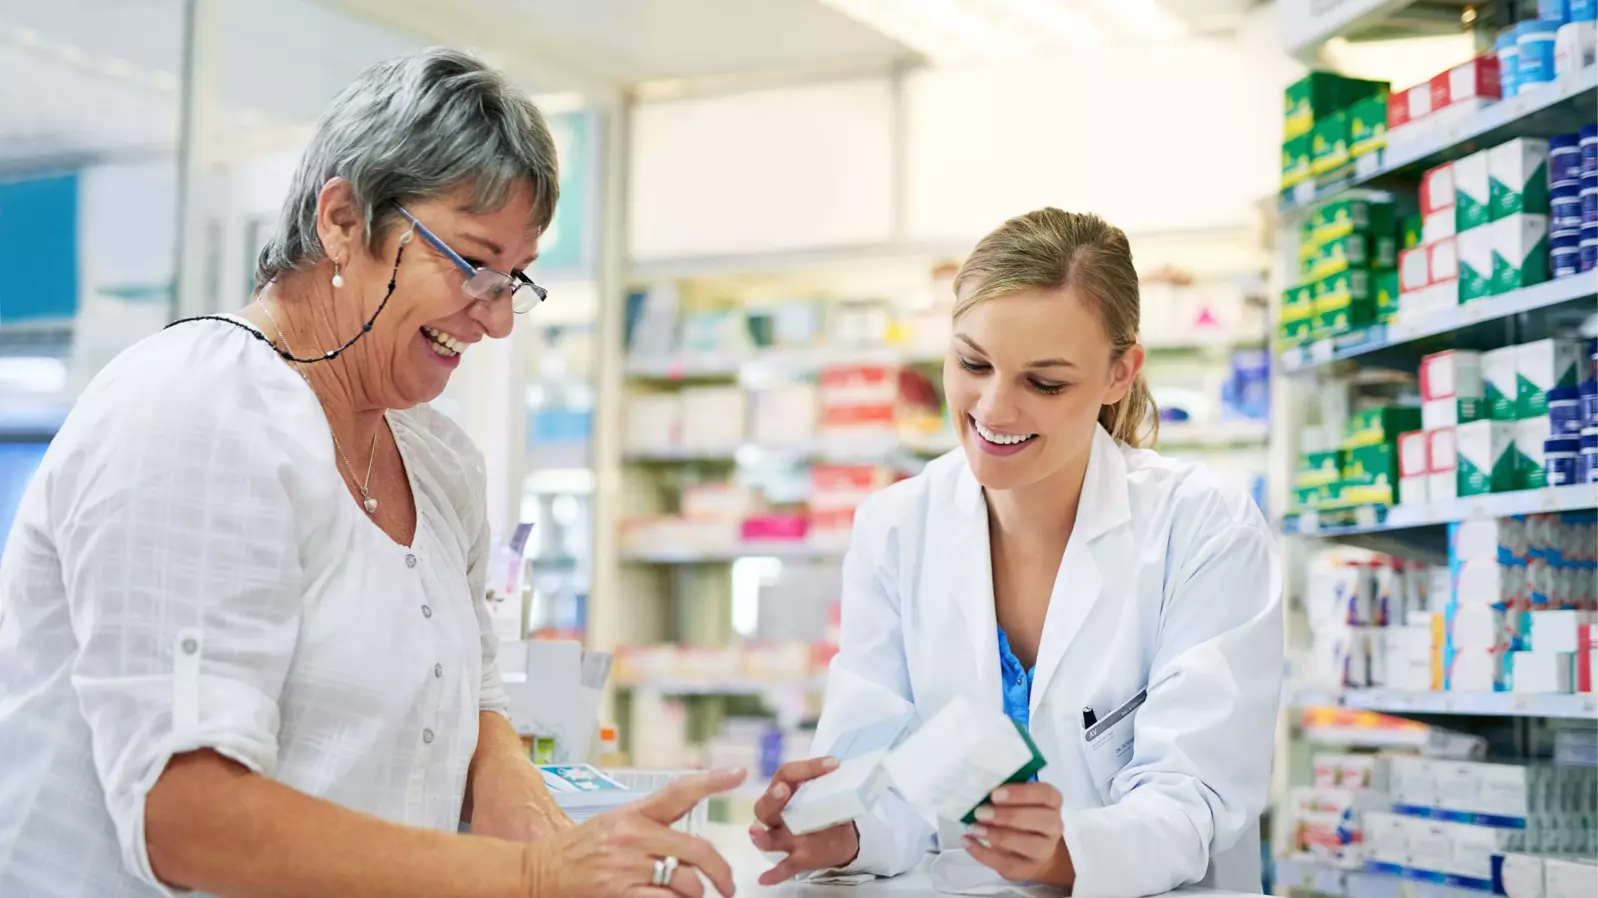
(1451, 388)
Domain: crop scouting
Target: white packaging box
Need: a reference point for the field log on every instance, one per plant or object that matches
(1431, 844)
(1475, 670)
(1442, 460)
(783, 416)
(1501, 381)
(1506, 789)
(652, 423)
(1486, 456)
(1452, 391)
(1376, 656)
(1443, 260)
(1458, 785)
(1438, 226)
(1474, 847)
(1486, 539)
(1388, 837)
(1569, 878)
(1475, 263)
(957, 757)
(1530, 457)
(1476, 626)
(1552, 631)
(1512, 167)
(1412, 781)
(1327, 767)
(845, 794)
(1413, 457)
(1542, 673)
(713, 418)
(1357, 772)
(1414, 270)
(1541, 366)
(1519, 241)
(1472, 195)
(1523, 875)
(1481, 582)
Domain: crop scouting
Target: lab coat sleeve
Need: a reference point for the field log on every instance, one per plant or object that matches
(870, 681)
(1202, 741)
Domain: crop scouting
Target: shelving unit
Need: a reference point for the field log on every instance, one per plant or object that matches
(1307, 874)
(1475, 704)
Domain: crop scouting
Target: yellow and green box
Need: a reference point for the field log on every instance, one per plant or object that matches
(1379, 424)
(1329, 159)
(1374, 465)
(1343, 302)
(1318, 469)
(1313, 496)
(1354, 494)
(1367, 124)
(1298, 314)
(1386, 295)
(1352, 216)
(1411, 232)
(1296, 162)
(1317, 95)
(1364, 252)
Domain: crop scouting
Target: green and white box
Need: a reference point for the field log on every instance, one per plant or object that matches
(1500, 370)
(1475, 263)
(1542, 366)
(1529, 461)
(1486, 457)
(1517, 173)
(1472, 192)
(1520, 252)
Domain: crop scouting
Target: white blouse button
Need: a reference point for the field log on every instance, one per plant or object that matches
(410, 561)
(427, 611)
(427, 736)
(438, 671)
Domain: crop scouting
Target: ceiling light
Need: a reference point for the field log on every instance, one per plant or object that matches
(1144, 19)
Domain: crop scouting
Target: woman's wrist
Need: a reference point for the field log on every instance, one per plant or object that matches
(1061, 871)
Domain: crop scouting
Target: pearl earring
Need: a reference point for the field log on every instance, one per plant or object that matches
(338, 279)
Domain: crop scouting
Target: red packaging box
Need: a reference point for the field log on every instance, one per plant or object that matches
(1414, 269)
(1418, 101)
(1397, 110)
(1413, 454)
(1474, 80)
(1584, 657)
(1437, 189)
(1443, 261)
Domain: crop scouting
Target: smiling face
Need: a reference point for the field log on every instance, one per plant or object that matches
(1025, 378)
(429, 323)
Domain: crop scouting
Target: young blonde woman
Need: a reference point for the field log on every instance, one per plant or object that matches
(1123, 606)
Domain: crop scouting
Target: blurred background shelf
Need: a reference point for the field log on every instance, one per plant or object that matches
(1482, 704)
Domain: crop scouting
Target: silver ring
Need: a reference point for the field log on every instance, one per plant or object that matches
(665, 869)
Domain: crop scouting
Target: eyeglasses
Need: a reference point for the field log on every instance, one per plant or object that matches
(482, 282)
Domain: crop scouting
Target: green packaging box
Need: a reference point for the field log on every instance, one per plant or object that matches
(1386, 295)
(1369, 493)
(1411, 232)
(1379, 424)
(1356, 251)
(1472, 192)
(1313, 496)
(1367, 125)
(1296, 161)
(1298, 323)
(1319, 469)
(1486, 457)
(1319, 94)
(1542, 366)
(1328, 148)
(1336, 316)
(1530, 461)
(1517, 173)
(1353, 216)
(1375, 465)
(1356, 286)
(1475, 263)
(1500, 376)
(1520, 251)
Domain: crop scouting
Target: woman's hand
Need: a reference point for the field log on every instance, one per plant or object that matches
(1019, 836)
(614, 854)
(837, 846)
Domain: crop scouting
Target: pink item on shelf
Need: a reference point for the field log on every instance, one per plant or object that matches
(775, 528)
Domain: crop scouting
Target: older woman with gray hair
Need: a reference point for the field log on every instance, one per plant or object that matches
(243, 645)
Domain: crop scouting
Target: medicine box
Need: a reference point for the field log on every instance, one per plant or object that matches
(1472, 195)
(1317, 469)
(1487, 539)
(1414, 270)
(1486, 457)
(1386, 294)
(1501, 382)
(1344, 217)
(1442, 460)
(1443, 260)
(1328, 148)
(1541, 366)
(1412, 456)
(1551, 631)
(1295, 161)
(1521, 875)
(1530, 460)
(1520, 251)
(1474, 670)
(1569, 878)
(1374, 465)
(1355, 251)
(1517, 172)
(1451, 388)
(1318, 95)
(1410, 231)
(1379, 424)
(1541, 672)
(1475, 263)
(1367, 125)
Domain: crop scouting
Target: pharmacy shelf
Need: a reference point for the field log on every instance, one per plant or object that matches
(728, 687)
(1324, 878)
(890, 450)
(1380, 519)
(1227, 434)
(796, 551)
(1575, 294)
(730, 365)
(1476, 704)
(1551, 109)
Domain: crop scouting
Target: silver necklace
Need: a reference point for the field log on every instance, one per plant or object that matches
(367, 502)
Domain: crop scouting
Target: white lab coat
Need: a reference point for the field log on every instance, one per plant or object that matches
(1169, 583)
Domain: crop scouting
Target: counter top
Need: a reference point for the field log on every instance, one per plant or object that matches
(747, 865)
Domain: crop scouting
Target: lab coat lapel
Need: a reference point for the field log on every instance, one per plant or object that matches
(1079, 585)
(968, 571)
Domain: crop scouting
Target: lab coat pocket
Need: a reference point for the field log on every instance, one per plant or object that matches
(1109, 743)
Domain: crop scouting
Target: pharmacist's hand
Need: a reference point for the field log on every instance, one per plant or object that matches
(613, 855)
(1019, 836)
(837, 846)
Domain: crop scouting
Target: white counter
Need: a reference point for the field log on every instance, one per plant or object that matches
(747, 865)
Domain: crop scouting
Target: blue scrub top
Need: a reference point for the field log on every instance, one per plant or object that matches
(1016, 682)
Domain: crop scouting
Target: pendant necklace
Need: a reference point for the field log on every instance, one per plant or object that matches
(367, 502)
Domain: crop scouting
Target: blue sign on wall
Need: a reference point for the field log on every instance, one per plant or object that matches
(39, 249)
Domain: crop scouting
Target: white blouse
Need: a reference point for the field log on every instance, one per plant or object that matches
(188, 570)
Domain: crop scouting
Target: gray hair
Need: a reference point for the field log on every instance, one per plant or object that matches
(416, 127)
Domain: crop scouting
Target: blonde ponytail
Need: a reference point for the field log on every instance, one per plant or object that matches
(1050, 248)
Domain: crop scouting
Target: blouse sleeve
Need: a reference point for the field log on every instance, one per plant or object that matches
(176, 529)
(492, 695)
